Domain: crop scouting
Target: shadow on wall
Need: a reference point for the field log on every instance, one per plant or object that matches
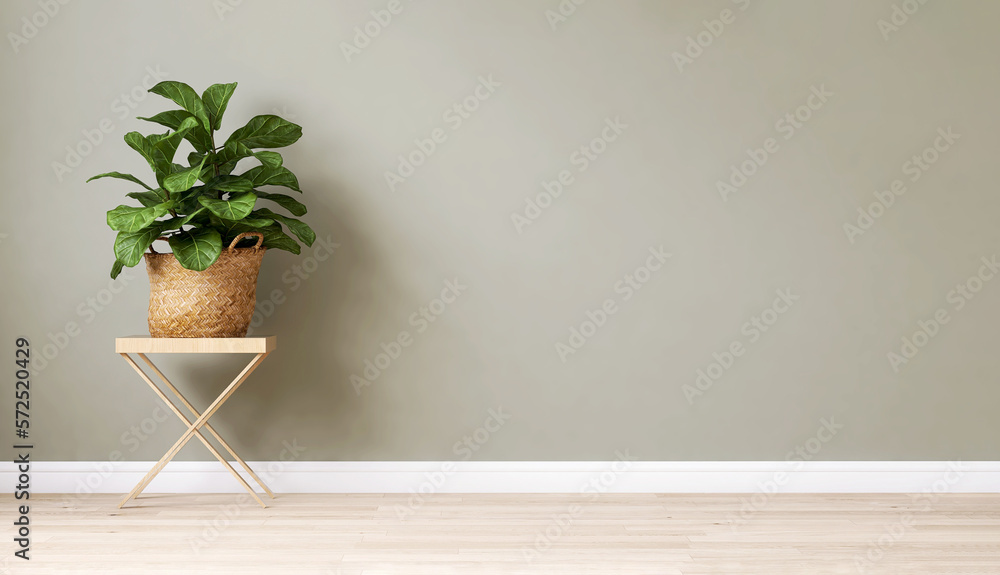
(317, 303)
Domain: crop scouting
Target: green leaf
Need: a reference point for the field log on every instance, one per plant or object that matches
(297, 227)
(171, 118)
(183, 180)
(165, 145)
(186, 98)
(235, 208)
(257, 222)
(148, 199)
(187, 219)
(140, 144)
(216, 98)
(159, 149)
(267, 131)
(269, 159)
(207, 170)
(132, 219)
(265, 176)
(187, 202)
(129, 246)
(230, 155)
(196, 249)
(276, 239)
(121, 176)
(229, 184)
(248, 222)
(198, 136)
(288, 202)
(179, 223)
(226, 227)
(116, 269)
(233, 151)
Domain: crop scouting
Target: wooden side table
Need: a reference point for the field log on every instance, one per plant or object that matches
(141, 345)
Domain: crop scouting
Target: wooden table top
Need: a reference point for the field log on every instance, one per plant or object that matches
(147, 344)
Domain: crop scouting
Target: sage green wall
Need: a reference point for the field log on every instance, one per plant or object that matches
(665, 120)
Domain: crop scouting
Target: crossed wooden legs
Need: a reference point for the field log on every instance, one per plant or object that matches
(201, 420)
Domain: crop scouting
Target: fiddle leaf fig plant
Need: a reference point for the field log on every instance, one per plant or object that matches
(201, 206)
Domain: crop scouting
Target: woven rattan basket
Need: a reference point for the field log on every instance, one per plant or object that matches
(217, 302)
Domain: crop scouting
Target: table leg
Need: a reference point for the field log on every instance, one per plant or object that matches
(187, 422)
(207, 426)
(197, 424)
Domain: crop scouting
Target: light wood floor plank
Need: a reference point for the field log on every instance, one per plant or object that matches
(376, 534)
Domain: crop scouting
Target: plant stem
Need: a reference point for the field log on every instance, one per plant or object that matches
(215, 165)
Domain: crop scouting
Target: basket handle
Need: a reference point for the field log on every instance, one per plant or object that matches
(236, 240)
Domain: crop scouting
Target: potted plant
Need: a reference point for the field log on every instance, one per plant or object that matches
(207, 286)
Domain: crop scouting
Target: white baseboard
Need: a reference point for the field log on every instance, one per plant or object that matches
(522, 477)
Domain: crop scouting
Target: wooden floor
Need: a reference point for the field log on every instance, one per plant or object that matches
(473, 534)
